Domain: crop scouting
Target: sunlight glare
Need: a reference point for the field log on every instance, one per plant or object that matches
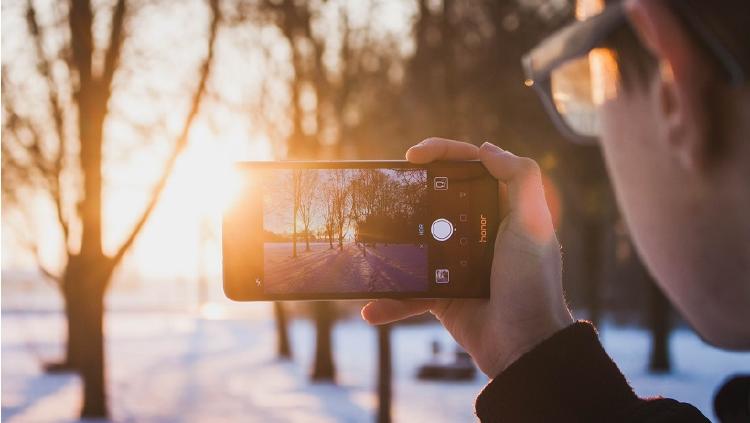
(204, 178)
(213, 311)
(183, 235)
(588, 8)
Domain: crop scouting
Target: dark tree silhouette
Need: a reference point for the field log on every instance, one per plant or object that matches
(88, 270)
(385, 374)
(297, 199)
(324, 369)
(283, 346)
(593, 231)
(308, 197)
(659, 324)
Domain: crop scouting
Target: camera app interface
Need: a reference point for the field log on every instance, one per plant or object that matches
(426, 231)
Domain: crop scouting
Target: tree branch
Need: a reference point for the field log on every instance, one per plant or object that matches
(182, 139)
(14, 174)
(116, 37)
(56, 193)
(45, 68)
(53, 171)
(38, 172)
(26, 140)
(31, 245)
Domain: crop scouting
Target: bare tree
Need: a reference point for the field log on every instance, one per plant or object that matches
(36, 153)
(304, 195)
(296, 201)
(385, 374)
(283, 346)
(307, 201)
(659, 324)
(324, 368)
(329, 215)
(339, 199)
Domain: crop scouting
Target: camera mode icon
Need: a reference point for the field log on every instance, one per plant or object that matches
(440, 183)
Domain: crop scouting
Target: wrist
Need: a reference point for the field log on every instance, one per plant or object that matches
(530, 339)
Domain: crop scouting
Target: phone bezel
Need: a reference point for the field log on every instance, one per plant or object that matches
(233, 284)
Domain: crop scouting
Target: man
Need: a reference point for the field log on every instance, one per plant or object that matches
(663, 86)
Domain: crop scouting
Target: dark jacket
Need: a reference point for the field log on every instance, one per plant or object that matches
(570, 378)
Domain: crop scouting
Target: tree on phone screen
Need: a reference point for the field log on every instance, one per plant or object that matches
(307, 201)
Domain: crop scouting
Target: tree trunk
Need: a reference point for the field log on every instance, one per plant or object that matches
(659, 325)
(448, 56)
(294, 232)
(284, 349)
(323, 366)
(66, 364)
(592, 262)
(384, 374)
(73, 330)
(91, 364)
(84, 290)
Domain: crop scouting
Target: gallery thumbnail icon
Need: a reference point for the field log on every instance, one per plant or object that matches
(442, 276)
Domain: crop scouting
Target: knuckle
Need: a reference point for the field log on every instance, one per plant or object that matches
(530, 167)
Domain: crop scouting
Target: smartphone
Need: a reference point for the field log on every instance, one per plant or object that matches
(360, 230)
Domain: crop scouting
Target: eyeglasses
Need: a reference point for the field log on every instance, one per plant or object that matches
(575, 75)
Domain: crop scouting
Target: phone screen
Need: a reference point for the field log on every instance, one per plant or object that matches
(361, 230)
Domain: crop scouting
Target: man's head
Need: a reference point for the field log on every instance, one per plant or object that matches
(663, 86)
(676, 140)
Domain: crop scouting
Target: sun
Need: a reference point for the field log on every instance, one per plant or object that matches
(205, 180)
(188, 216)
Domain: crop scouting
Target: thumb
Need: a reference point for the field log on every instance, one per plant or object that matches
(527, 205)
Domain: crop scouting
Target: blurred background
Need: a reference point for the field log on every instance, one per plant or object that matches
(120, 123)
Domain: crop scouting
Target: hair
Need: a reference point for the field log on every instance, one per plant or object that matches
(728, 20)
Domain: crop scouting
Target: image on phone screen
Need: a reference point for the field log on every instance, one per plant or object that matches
(344, 230)
(318, 230)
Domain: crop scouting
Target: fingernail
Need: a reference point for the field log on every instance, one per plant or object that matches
(365, 311)
(491, 146)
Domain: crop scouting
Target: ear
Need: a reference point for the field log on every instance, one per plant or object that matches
(683, 84)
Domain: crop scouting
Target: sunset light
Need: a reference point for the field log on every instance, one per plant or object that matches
(369, 211)
(189, 213)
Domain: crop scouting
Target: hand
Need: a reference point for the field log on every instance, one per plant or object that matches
(526, 303)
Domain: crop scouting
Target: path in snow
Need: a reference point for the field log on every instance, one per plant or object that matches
(355, 268)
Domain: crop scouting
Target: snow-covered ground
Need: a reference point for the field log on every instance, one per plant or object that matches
(355, 268)
(179, 367)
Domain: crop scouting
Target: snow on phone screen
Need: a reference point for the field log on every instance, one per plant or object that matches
(344, 230)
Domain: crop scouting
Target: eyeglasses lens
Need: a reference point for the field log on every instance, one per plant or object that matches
(581, 86)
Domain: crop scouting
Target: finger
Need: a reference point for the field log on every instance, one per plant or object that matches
(523, 178)
(432, 149)
(384, 311)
